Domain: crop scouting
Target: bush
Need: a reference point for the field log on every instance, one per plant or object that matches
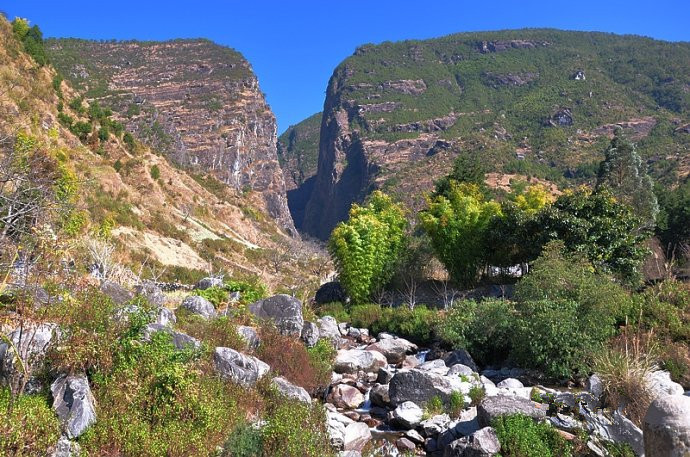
(321, 358)
(415, 324)
(456, 404)
(30, 428)
(219, 332)
(477, 394)
(336, 310)
(521, 436)
(295, 429)
(155, 172)
(244, 441)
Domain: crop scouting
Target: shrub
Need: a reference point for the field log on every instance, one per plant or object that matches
(244, 441)
(433, 407)
(155, 172)
(336, 310)
(103, 133)
(456, 404)
(477, 394)
(321, 358)
(415, 324)
(216, 295)
(219, 332)
(30, 428)
(295, 429)
(521, 436)
(128, 139)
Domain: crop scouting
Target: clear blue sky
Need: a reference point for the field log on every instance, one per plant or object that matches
(295, 45)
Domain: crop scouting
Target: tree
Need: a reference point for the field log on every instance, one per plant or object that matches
(367, 246)
(674, 216)
(467, 168)
(457, 226)
(622, 172)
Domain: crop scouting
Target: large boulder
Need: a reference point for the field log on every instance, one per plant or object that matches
(613, 426)
(207, 283)
(419, 386)
(151, 292)
(460, 356)
(345, 396)
(198, 305)
(503, 405)
(482, 443)
(240, 368)
(289, 390)
(666, 427)
(660, 384)
(164, 316)
(73, 403)
(285, 312)
(356, 436)
(354, 360)
(335, 425)
(395, 349)
(330, 292)
(407, 415)
(180, 340)
(310, 334)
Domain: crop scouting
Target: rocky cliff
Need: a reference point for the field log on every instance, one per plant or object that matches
(536, 103)
(196, 102)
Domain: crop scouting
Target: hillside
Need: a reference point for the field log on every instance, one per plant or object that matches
(196, 102)
(533, 102)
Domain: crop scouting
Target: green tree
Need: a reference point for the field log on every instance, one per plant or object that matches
(622, 172)
(457, 226)
(467, 168)
(31, 38)
(673, 223)
(367, 246)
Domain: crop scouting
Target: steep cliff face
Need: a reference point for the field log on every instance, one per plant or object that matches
(196, 102)
(537, 103)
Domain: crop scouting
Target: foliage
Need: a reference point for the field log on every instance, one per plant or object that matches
(31, 38)
(456, 404)
(674, 216)
(414, 324)
(433, 407)
(218, 332)
(29, 428)
(295, 429)
(321, 358)
(477, 394)
(155, 172)
(216, 295)
(336, 310)
(457, 227)
(244, 441)
(367, 246)
(467, 168)
(521, 436)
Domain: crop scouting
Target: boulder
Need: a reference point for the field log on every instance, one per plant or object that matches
(356, 436)
(289, 390)
(285, 312)
(335, 425)
(73, 403)
(595, 386)
(436, 424)
(482, 443)
(660, 384)
(384, 375)
(419, 386)
(406, 416)
(437, 366)
(354, 360)
(66, 448)
(32, 341)
(180, 340)
(460, 370)
(510, 383)
(310, 334)
(328, 328)
(613, 427)
(240, 368)
(165, 317)
(460, 356)
(199, 306)
(501, 405)
(207, 283)
(405, 445)
(330, 292)
(151, 292)
(379, 395)
(118, 294)
(395, 349)
(249, 335)
(667, 427)
(345, 396)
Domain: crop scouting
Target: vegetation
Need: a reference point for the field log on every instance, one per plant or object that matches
(31, 38)
(521, 436)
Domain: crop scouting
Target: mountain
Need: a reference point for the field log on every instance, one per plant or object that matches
(196, 102)
(533, 103)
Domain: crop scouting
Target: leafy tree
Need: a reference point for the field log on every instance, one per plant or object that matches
(457, 226)
(31, 38)
(367, 246)
(674, 216)
(467, 168)
(623, 173)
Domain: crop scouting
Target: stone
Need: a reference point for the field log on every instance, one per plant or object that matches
(118, 294)
(436, 424)
(240, 368)
(207, 283)
(395, 349)
(335, 425)
(310, 334)
(378, 395)
(328, 328)
(660, 384)
(510, 383)
(151, 292)
(493, 407)
(345, 396)
(330, 292)
(180, 340)
(414, 436)
(564, 422)
(349, 454)
(249, 335)
(73, 403)
(289, 390)
(437, 366)
(164, 316)
(199, 306)
(460, 370)
(66, 448)
(356, 436)
(285, 312)
(613, 427)
(354, 360)
(595, 386)
(384, 375)
(418, 386)
(482, 443)
(32, 342)
(460, 356)
(406, 415)
(666, 427)
(405, 445)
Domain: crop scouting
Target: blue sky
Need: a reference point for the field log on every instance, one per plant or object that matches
(295, 45)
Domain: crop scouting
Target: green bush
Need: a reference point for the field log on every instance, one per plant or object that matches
(30, 428)
(336, 310)
(414, 324)
(521, 436)
(216, 295)
(456, 404)
(295, 429)
(155, 172)
(321, 358)
(477, 394)
(244, 441)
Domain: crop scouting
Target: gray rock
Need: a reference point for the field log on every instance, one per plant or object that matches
(335, 425)
(66, 448)
(595, 386)
(414, 436)
(460, 370)
(379, 395)
(356, 436)
(660, 384)
(437, 366)
(310, 334)
(165, 317)
(328, 328)
(240, 368)
(460, 356)
(354, 360)
(614, 427)
(510, 383)
(285, 312)
(406, 415)
(207, 283)
(667, 427)
(405, 445)
(32, 341)
(564, 422)
(482, 443)
(73, 403)
(493, 407)
(118, 294)
(151, 292)
(395, 349)
(249, 335)
(289, 390)
(419, 386)
(180, 340)
(349, 454)
(199, 306)
(436, 424)
(330, 292)
(384, 375)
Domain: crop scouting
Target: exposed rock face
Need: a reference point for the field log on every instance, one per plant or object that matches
(667, 427)
(197, 102)
(73, 403)
(242, 369)
(285, 311)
